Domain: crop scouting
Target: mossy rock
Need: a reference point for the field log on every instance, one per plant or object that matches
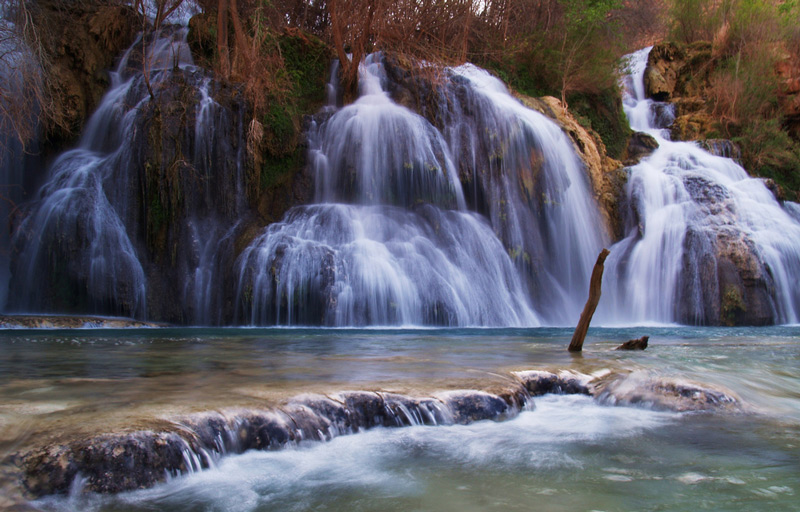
(202, 38)
(733, 306)
(603, 113)
(696, 126)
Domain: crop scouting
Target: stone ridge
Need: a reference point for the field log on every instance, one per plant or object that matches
(112, 463)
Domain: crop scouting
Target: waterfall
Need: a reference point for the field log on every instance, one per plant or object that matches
(390, 242)
(392, 239)
(17, 159)
(142, 207)
(522, 171)
(703, 236)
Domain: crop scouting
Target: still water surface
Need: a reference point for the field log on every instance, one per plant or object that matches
(569, 453)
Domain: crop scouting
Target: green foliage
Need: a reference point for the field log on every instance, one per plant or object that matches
(307, 60)
(279, 119)
(768, 151)
(577, 54)
(693, 20)
(742, 89)
(603, 113)
(276, 170)
(733, 306)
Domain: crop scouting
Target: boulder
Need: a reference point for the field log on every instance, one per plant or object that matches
(638, 389)
(663, 67)
(692, 126)
(640, 145)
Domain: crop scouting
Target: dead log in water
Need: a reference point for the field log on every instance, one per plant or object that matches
(576, 345)
(638, 344)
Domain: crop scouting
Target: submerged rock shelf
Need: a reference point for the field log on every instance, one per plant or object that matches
(112, 463)
(70, 322)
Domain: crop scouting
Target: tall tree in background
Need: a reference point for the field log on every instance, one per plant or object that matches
(352, 34)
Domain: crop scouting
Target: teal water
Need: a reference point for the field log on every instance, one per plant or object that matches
(568, 453)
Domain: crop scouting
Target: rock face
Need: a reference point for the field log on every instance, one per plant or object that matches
(788, 71)
(145, 217)
(725, 277)
(679, 74)
(606, 174)
(723, 271)
(662, 394)
(663, 67)
(82, 42)
(123, 462)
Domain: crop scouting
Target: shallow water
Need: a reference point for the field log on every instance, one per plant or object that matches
(569, 453)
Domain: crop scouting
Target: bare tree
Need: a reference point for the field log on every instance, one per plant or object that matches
(24, 95)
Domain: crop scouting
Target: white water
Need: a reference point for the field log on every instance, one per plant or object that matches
(693, 208)
(82, 213)
(405, 251)
(86, 243)
(16, 61)
(537, 193)
(339, 264)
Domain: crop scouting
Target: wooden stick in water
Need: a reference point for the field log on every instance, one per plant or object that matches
(576, 345)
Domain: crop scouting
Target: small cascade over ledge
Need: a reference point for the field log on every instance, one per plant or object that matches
(705, 243)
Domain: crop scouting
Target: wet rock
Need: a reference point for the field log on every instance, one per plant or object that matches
(122, 462)
(108, 464)
(640, 145)
(722, 147)
(564, 383)
(82, 43)
(366, 409)
(692, 126)
(470, 406)
(69, 322)
(605, 173)
(261, 431)
(339, 416)
(637, 344)
(724, 280)
(778, 191)
(661, 75)
(663, 394)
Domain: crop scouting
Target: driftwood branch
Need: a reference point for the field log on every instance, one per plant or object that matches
(576, 345)
(638, 344)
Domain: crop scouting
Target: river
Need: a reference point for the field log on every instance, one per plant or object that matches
(565, 452)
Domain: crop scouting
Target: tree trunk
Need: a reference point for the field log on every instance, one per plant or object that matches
(222, 37)
(576, 345)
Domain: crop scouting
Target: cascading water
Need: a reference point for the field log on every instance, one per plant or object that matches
(396, 256)
(139, 209)
(404, 250)
(705, 240)
(522, 171)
